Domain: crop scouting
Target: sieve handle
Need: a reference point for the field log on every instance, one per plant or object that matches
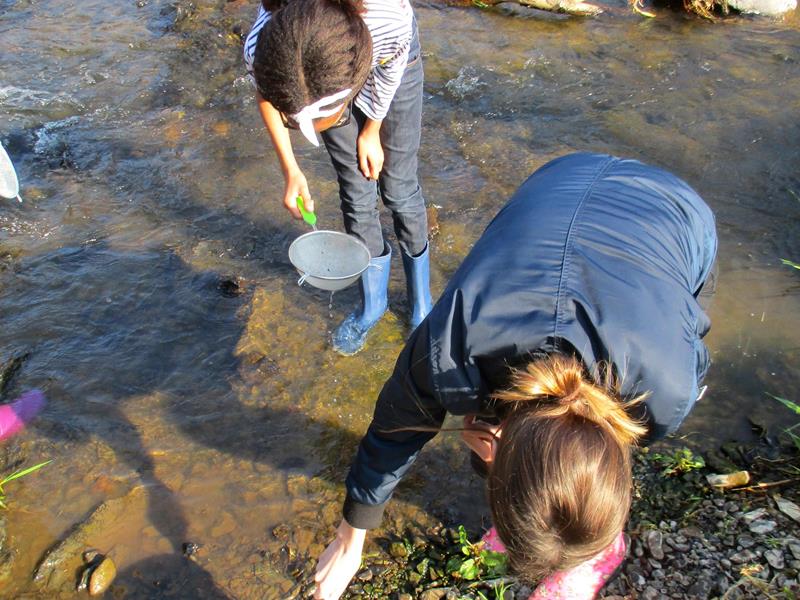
(302, 279)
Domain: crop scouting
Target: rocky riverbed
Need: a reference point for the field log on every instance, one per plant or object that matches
(686, 539)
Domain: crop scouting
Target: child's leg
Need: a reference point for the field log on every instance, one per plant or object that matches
(358, 195)
(400, 189)
(359, 203)
(399, 185)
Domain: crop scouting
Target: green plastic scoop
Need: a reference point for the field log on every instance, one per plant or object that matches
(308, 217)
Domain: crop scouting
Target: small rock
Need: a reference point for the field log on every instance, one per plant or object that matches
(794, 548)
(398, 550)
(789, 508)
(745, 541)
(189, 548)
(365, 575)
(650, 593)
(754, 515)
(762, 527)
(681, 547)
(405, 597)
(691, 532)
(434, 594)
(775, 558)
(655, 544)
(637, 579)
(744, 556)
(102, 576)
(700, 589)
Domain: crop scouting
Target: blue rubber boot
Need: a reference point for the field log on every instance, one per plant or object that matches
(350, 336)
(418, 275)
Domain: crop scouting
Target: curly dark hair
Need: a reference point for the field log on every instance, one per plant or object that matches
(310, 49)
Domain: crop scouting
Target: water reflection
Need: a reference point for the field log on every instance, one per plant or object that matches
(150, 192)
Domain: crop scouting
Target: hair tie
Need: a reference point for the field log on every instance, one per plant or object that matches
(305, 118)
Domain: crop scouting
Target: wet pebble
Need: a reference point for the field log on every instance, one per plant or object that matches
(190, 548)
(745, 556)
(655, 544)
(434, 594)
(775, 558)
(789, 508)
(398, 550)
(700, 589)
(102, 577)
(650, 593)
(762, 527)
(745, 541)
(794, 548)
(754, 515)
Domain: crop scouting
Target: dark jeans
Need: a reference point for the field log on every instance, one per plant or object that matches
(397, 184)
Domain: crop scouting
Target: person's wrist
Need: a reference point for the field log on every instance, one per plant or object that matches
(350, 536)
(291, 171)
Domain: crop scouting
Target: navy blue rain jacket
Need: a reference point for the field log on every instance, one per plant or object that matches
(593, 256)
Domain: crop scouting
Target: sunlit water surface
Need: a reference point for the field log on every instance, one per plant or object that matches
(145, 275)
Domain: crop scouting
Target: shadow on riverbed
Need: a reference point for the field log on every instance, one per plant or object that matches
(146, 355)
(168, 576)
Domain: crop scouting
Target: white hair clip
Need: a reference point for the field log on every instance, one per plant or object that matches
(305, 118)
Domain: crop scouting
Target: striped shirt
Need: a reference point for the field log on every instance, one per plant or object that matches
(391, 25)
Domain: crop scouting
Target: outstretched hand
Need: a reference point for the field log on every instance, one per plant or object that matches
(339, 562)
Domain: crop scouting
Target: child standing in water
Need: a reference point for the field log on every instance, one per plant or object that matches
(351, 70)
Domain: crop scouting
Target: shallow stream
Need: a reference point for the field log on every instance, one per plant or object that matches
(145, 276)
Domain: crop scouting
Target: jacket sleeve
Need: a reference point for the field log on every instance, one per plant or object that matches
(406, 417)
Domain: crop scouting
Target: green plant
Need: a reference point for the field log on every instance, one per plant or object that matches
(16, 475)
(790, 430)
(498, 589)
(479, 563)
(680, 461)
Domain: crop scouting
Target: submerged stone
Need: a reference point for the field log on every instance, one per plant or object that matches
(398, 550)
(59, 565)
(102, 577)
